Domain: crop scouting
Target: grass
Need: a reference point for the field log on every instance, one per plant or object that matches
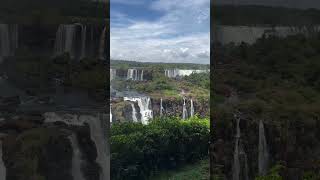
(197, 171)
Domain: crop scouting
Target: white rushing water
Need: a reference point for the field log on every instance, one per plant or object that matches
(173, 73)
(110, 114)
(161, 108)
(102, 43)
(236, 161)
(191, 108)
(98, 134)
(2, 166)
(134, 113)
(113, 74)
(135, 74)
(144, 104)
(83, 41)
(8, 40)
(65, 38)
(184, 110)
(76, 158)
(263, 151)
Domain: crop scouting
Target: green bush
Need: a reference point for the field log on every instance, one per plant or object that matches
(138, 151)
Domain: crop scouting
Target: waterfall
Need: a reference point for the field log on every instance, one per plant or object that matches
(134, 113)
(191, 109)
(102, 44)
(8, 40)
(2, 166)
(110, 114)
(173, 73)
(135, 75)
(113, 74)
(240, 169)
(98, 134)
(263, 151)
(65, 37)
(161, 108)
(236, 161)
(99, 137)
(83, 41)
(144, 104)
(76, 158)
(184, 110)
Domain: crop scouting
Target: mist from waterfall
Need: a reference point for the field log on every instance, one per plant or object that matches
(76, 159)
(144, 104)
(2, 166)
(184, 110)
(173, 73)
(8, 40)
(134, 113)
(263, 151)
(191, 108)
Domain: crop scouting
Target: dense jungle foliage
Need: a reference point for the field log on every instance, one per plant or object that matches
(140, 151)
(276, 80)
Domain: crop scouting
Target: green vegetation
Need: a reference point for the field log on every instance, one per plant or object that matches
(118, 64)
(196, 171)
(140, 151)
(276, 80)
(35, 71)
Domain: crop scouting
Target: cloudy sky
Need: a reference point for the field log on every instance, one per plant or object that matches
(160, 30)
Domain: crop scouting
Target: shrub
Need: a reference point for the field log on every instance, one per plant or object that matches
(138, 151)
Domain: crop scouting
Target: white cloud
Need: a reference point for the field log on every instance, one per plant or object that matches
(180, 35)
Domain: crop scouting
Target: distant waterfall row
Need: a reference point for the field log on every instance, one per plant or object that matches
(135, 74)
(141, 74)
(173, 73)
(240, 169)
(80, 41)
(8, 40)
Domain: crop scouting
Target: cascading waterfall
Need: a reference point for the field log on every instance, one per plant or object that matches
(98, 135)
(134, 113)
(76, 158)
(263, 151)
(65, 37)
(191, 109)
(83, 41)
(161, 108)
(184, 110)
(144, 104)
(236, 161)
(110, 114)
(113, 74)
(135, 74)
(8, 40)
(2, 166)
(240, 164)
(102, 44)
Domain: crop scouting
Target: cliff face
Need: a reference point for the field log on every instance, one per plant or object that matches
(123, 111)
(35, 149)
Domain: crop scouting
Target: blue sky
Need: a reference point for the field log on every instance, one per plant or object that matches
(160, 30)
